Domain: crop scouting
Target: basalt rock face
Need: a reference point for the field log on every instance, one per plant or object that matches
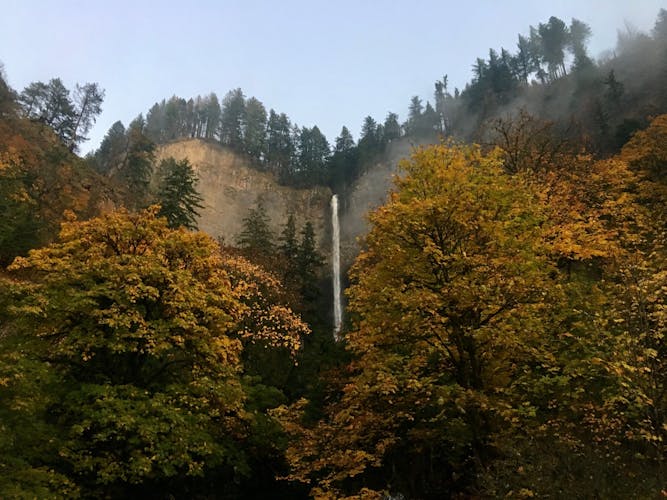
(231, 187)
(370, 191)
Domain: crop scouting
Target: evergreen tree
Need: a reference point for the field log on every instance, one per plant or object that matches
(414, 115)
(369, 142)
(392, 129)
(50, 104)
(178, 197)
(137, 168)
(579, 32)
(554, 36)
(88, 104)
(289, 246)
(212, 113)
(112, 150)
(232, 119)
(280, 145)
(254, 129)
(312, 156)
(343, 164)
(309, 262)
(155, 123)
(256, 237)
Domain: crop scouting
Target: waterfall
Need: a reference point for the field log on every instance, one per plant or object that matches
(337, 308)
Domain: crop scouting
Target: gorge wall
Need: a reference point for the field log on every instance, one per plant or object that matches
(231, 187)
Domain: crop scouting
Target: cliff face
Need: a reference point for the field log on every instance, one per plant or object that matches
(230, 188)
(369, 192)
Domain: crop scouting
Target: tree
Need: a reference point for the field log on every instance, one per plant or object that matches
(88, 104)
(308, 263)
(524, 60)
(143, 329)
(254, 129)
(50, 104)
(660, 29)
(256, 237)
(177, 195)
(70, 119)
(112, 150)
(554, 36)
(232, 119)
(579, 33)
(288, 243)
(313, 154)
(414, 114)
(343, 165)
(212, 113)
(369, 142)
(279, 145)
(448, 291)
(8, 98)
(136, 169)
(392, 128)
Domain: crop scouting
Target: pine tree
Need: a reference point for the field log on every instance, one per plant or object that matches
(309, 261)
(256, 237)
(178, 196)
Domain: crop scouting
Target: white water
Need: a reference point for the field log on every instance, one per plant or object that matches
(338, 311)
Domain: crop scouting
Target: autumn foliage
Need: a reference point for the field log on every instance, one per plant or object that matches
(507, 337)
(141, 331)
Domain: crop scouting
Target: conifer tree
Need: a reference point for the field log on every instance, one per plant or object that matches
(178, 197)
(256, 238)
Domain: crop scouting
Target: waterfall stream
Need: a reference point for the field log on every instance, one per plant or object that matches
(337, 307)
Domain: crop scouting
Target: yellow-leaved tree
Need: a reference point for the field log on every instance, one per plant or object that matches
(486, 350)
(141, 330)
(448, 305)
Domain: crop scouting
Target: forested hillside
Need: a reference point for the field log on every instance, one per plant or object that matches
(506, 316)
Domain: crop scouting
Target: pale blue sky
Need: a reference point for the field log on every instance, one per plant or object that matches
(323, 63)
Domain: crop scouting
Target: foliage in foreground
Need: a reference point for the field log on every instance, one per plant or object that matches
(507, 332)
(123, 353)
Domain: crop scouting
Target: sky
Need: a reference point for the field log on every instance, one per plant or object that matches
(324, 63)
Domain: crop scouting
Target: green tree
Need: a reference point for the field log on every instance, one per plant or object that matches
(143, 329)
(280, 146)
(312, 158)
(232, 119)
(51, 104)
(288, 245)
(254, 129)
(212, 113)
(369, 141)
(524, 60)
(308, 264)
(256, 238)
(135, 170)
(579, 33)
(344, 162)
(88, 100)
(392, 128)
(177, 195)
(112, 150)
(554, 37)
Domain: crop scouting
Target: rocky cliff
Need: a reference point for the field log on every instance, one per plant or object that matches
(230, 187)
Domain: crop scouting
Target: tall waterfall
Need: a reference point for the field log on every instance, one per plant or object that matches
(337, 308)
